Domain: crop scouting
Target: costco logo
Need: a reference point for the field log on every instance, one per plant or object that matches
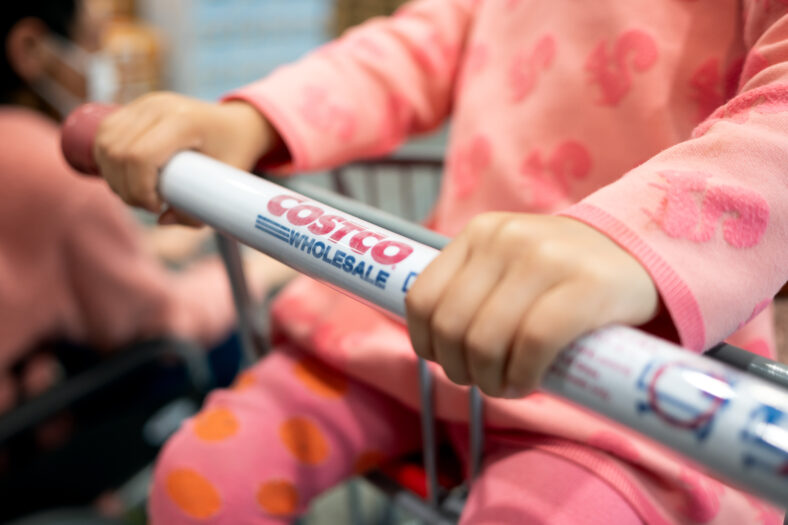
(296, 211)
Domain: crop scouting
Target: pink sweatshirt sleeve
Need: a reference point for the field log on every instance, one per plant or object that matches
(708, 218)
(363, 94)
(124, 294)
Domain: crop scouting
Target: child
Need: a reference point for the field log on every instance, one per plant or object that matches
(580, 111)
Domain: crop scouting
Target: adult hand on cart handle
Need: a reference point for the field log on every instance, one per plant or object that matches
(134, 142)
(504, 297)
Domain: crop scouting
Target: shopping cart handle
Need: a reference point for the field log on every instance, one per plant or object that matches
(731, 422)
(79, 133)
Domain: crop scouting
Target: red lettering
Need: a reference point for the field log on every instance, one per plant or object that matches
(357, 241)
(320, 223)
(344, 230)
(276, 205)
(325, 224)
(297, 218)
(378, 252)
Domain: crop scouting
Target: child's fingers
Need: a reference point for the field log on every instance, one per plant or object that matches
(148, 155)
(113, 148)
(133, 143)
(141, 171)
(124, 154)
(426, 291)
(457, 307)
(558, 317)
(106, 152)
(490, 336)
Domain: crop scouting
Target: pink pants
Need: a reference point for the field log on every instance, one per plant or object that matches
(292, 428)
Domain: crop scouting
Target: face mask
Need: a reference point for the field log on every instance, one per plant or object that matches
(97, 69)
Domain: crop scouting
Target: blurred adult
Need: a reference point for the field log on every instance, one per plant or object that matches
(74, 264)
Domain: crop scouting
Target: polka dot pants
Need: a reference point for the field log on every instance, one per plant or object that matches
(291, 428)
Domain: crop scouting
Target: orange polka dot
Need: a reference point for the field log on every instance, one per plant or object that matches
(304, 440)
(194, 495)
(278, 497)
(244, 381)
(215, 424)
(368, 460)
(320, 379)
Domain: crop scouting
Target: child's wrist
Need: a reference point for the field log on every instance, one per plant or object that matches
(258, 132)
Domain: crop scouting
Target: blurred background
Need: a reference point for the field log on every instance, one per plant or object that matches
(204, 48)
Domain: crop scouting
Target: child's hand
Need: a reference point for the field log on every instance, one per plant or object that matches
(512, 290)
(136, 141)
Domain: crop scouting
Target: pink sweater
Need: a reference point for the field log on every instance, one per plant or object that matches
(664, 124)
(72, 263)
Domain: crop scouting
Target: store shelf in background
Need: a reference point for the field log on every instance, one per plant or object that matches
(217, 45)
(239, 17)
(113, 8)
(136, 52)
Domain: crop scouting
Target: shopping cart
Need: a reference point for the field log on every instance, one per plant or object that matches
(742, 447)
(396, 193)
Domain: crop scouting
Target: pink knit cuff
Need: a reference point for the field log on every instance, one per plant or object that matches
(676, 295)
(281, 122)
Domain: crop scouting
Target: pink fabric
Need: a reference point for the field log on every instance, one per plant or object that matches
(72, 264)
(655, 482)
(292, 428)
(289, 429)
(520, 484)
(602, 91)
(586, 110)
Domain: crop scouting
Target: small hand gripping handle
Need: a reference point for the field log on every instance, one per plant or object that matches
(79, 133)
